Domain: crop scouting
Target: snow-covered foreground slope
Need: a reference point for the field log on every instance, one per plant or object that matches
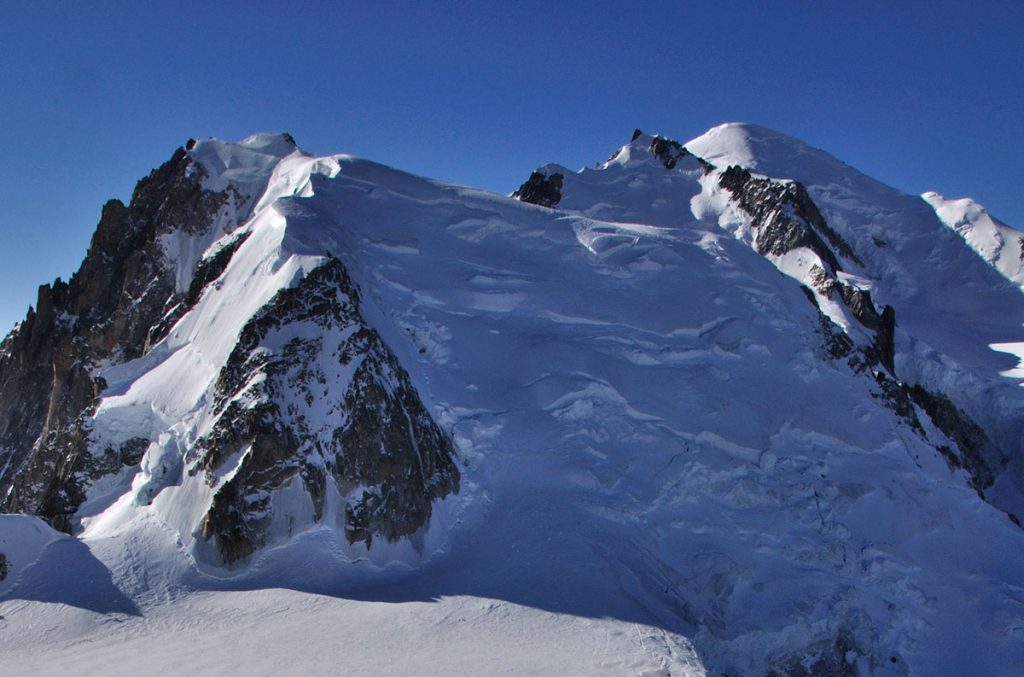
(686, 434)
(274, 631)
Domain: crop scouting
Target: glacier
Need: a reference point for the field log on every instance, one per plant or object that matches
(728, 406)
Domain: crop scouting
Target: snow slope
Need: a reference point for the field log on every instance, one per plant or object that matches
(997, 243)
(276, 631)
(959, 327)
(22, 540)
(664, 472)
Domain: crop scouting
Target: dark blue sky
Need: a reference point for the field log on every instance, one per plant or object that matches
(922, 95)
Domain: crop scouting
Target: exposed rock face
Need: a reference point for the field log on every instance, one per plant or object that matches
(765, 200)
(668, 151)
(859, 302)
(864, 360)
(838, 344)
(545, 191)
(208, 270)
(977, 455)
(3, 566)
(308, 406)
(310, 393)
(974, 451)
(105, 313)
(784, 216)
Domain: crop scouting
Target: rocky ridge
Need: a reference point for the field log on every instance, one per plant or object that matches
(280, 398)
(105, 313)
(377, 443)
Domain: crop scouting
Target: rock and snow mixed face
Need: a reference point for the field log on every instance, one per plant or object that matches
(732, 388)
(245, 400)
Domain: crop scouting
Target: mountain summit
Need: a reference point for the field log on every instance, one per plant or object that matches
(731, 396)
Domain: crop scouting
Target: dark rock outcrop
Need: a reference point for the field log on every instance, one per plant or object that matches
(208, 270)
(545, 191)
(882, 324)
(975, 452)
(784, 216)
(885, 339)
(865, 360)
(838, 344)
(105, 312)
(669, 152)
(377, 441)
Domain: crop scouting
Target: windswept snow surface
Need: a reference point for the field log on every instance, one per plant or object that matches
(662, 471)
(997, 243)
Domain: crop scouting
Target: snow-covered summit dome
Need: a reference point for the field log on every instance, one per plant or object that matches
(281, 144)
(765, 151)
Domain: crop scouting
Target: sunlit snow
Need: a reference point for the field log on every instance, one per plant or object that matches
(663, 473)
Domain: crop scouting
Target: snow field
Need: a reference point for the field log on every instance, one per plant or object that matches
(662, 472)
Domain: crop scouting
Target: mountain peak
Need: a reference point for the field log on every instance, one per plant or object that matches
(246, 164)
(771, 153)
(686, 393)
(752, 147)
(281, 144)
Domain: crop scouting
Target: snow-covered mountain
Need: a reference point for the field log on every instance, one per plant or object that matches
(727, 406)
(997, 243)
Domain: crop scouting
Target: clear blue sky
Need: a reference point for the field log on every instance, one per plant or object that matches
(922, 95)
